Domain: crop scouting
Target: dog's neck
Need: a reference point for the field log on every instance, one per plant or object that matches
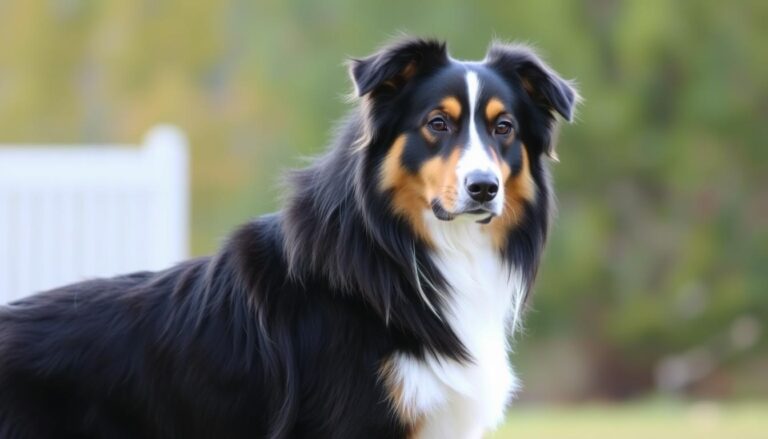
(481, 284)
(481, 304)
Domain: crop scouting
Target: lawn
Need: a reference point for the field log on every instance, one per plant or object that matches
(639, 421)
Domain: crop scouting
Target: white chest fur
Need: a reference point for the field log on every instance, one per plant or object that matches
(447, 399)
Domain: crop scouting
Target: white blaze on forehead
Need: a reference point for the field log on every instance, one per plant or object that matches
(475, 156)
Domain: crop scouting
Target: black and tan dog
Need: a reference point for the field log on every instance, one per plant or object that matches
(376, 304)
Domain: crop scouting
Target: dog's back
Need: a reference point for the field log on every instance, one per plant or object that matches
(141, 355)
(205, 349)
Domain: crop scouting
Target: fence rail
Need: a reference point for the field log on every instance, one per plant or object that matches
(69, 213)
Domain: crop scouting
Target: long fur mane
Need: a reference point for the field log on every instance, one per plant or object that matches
(339, 227)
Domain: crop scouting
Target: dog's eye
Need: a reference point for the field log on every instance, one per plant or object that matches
(438, 123)
(503, 127)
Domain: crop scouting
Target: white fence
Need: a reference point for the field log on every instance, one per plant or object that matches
(73, 213)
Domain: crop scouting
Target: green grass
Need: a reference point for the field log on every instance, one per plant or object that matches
(639, 421)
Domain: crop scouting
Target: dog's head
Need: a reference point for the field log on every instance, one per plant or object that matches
(458, 139)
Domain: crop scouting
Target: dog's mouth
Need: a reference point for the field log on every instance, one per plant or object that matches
(483, 210)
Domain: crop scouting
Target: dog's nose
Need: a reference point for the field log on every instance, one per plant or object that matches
(482, 186)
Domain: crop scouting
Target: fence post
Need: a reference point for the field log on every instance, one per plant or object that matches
(166, 147)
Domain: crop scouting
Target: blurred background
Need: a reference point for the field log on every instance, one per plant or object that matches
(649, 316)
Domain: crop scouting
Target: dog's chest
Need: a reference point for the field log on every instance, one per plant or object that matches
(445, 398)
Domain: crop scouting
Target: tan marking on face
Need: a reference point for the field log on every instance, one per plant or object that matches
(393, 387)
(408, 197)
(518, 189)
(428, 136)
(451, 107)
(391, 170)
(412, 194)
(493, 109)
(439, 177)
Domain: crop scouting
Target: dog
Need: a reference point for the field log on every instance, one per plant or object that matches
(378, 303)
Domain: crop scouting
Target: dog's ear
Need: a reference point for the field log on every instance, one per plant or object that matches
(546, 88)
(392, 67)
